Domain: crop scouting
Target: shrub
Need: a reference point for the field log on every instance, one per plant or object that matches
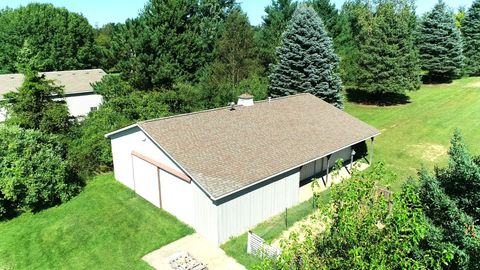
(35, 174)
(366, 230)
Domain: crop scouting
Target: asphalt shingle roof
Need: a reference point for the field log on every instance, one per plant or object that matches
(226, 150)
(74, 81)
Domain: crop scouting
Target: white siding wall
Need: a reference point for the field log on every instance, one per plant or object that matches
(80, 105)
(206, 215)
(146, 181)
(124, 143)
(315, 167)
(77, 105)
(176, 194)
(177, 197)
(242, 213)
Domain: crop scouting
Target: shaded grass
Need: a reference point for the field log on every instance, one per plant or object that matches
(106, 227)
(418, 133)
(269, 230)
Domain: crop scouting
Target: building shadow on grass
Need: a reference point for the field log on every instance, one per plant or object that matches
(362, 97)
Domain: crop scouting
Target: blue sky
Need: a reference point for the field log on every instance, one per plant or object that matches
(99, 12)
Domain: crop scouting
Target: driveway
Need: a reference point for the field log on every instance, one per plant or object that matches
(201, 249)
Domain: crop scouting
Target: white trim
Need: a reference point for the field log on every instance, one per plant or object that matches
(291, 168)
(108, 135)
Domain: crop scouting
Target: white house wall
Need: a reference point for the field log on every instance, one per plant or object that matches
(80, 105)
(146, 181)
(176, 194)
(315, 167)
(205, 215)
(247, 209)
(177, 197)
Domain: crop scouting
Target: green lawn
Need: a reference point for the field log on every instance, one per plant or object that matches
(419, 132)
(105, 227)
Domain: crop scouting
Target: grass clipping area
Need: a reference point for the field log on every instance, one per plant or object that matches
(106, 227)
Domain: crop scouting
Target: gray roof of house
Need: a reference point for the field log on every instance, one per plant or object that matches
(74, 81)
(227, 150)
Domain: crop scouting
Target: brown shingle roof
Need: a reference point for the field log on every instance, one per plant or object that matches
(74, 81)
(227, 150)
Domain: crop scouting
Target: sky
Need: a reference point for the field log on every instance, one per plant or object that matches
(100, 12)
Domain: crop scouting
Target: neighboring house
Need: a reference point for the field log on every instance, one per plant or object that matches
(79, 94)
(222, 171)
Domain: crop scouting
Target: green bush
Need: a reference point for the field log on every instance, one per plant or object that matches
(364, 229)
(34, 172)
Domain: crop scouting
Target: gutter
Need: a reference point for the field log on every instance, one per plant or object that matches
(289, 169)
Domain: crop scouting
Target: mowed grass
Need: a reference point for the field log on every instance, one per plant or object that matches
(418, 133)
(106, 227)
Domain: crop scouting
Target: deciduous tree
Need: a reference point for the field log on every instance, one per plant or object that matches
(38, 105)
(60, 39)
(35, 174)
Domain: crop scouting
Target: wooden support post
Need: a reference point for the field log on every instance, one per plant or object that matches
(351, 160)
(371, 150)
(328, 169)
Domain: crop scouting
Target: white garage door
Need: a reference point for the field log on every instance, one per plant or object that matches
(146, 181)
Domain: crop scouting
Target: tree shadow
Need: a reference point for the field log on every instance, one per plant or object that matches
(389, 99)
(436, 79)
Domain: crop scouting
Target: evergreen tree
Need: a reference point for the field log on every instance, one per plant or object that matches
(328, 13)
(35, 106)
(471, 37)
(346, 40)
(236, 61)
(170, 41)
(461, 178)
(387, 62)
(440, 45)
(307, 61)
(278, 14)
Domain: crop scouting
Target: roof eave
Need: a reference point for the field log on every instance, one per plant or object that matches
(108, 135)
(291, 168)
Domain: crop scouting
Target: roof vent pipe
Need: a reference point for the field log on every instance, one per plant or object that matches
(232, 106)
(245, 100)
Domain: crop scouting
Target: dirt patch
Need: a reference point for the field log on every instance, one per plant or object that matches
(302, 227)
(428, 151)
(474, 85)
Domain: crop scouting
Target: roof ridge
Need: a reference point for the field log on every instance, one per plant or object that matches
(56, 71)
(216, 109)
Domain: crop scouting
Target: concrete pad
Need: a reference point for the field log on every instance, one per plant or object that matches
(199, 247)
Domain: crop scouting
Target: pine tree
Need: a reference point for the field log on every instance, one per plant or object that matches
(471, 37)
(387, 57)
(328, 13)
(307, 61)
(440, 45)
(346, 40)
(278, 14)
